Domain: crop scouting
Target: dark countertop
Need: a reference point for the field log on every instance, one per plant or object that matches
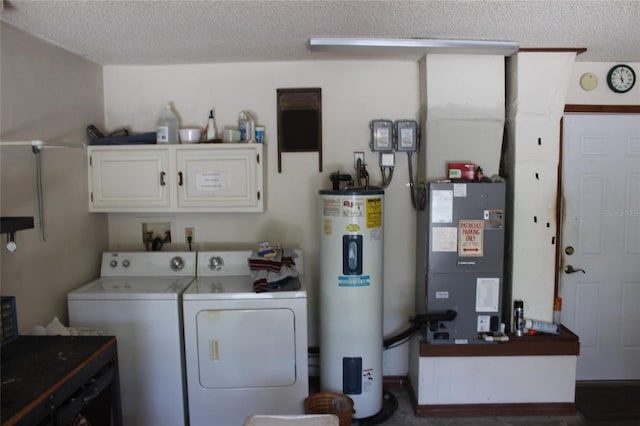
(565, 343)
(35, 367)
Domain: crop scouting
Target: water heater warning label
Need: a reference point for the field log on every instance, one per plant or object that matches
(374, 212)
(354, 281)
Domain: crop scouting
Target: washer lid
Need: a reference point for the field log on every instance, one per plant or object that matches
(132, 288)
(240, 287)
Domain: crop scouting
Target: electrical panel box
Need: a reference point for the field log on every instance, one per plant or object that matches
(381, 136)
(407, 136)
(464, 260)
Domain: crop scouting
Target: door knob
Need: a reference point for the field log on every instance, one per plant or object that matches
(570, 270)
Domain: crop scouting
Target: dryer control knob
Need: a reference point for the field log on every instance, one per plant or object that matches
(113, 263)
(125, 263)
(215, 263)
(177, 263)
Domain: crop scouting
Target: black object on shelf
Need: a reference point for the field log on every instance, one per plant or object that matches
(12, 224)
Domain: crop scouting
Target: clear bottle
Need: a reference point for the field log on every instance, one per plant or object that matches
(167, 130)
(243, 126)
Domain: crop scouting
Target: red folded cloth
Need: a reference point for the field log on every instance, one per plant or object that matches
(270, 270)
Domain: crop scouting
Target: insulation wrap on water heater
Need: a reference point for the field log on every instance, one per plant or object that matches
(351, 273)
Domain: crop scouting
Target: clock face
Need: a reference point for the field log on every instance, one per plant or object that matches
(621, 78)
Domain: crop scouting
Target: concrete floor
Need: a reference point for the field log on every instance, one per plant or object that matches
(404, 416)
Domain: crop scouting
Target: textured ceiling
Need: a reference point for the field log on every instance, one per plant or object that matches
(151, 32)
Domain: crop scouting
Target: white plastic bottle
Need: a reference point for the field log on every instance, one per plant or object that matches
(211, 127)
(243, 126)
(167, 130)
(541, 326)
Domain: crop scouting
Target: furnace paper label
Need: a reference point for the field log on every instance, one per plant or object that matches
(444, 239)
(459, 189)
(487, 294)
(212, 181)
(441, 206)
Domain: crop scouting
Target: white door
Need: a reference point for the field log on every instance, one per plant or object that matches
(600, 271)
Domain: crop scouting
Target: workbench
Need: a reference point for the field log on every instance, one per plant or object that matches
(50, 380)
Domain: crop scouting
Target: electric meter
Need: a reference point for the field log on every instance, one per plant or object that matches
(406, 136)
(381, 135)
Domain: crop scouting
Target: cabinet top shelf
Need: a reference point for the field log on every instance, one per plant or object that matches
(203, 145)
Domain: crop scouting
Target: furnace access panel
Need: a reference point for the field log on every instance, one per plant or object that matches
(465, 258)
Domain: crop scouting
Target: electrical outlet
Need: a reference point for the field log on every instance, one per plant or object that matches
(357, 156)
(190, 232)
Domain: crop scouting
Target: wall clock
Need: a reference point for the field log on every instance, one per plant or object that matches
(621, 78)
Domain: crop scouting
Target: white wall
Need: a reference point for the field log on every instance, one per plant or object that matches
(538, 84)
(353, 93)
(51, 95)
(465, 111)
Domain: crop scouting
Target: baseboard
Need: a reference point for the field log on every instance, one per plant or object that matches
(516, 409)
(477, 410)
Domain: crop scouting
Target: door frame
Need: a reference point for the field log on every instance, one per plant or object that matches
(586, 109)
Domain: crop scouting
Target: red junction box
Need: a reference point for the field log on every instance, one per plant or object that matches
(466, 171)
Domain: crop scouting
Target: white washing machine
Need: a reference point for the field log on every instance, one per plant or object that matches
(138, 300)
(246, 352)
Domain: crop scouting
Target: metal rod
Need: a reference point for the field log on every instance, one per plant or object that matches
(36, 151)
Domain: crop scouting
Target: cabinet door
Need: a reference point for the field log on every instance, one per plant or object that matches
(220, 179)
(128, 179)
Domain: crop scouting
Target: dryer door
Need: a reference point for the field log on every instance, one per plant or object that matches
(240, 348)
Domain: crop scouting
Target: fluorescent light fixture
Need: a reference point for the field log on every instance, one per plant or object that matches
(417, 45)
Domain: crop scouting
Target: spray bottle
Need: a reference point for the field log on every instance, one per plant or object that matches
(211, 127)
(518, 318)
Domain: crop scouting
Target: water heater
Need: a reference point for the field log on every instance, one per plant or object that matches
(351, 270)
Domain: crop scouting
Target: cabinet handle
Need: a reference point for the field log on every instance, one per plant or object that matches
(179, 178)
(162, 175)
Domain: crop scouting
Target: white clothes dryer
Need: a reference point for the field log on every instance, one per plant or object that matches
(246, 352)
(138, 300)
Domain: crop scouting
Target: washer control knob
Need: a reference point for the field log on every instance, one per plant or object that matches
(177, 263)
(126, 263)
(113, 263)
(215, 263)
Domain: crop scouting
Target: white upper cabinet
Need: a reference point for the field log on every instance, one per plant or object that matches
(176, 178)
